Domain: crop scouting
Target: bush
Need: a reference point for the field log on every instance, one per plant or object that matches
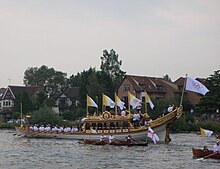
(186, 123)
(209, 125)
(180, 125)
(45, 115)
(6, 126)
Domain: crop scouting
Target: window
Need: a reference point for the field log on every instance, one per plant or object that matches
(160, 88)
(126, 87)
(142, 87)
(7, 103)
(118, 125)
(87, 126)
(143, 99)
(99, 126)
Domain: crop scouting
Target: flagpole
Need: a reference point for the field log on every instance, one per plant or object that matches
(183, 91)
(145, 103)
(116, 108)
(102, 103)
(87, 110)
(129, 108)
(97, 102)
(21, 115)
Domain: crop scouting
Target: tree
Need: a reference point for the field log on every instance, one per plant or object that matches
(82, 80)
(41, 100)
(111, 66)
(27, 104)
(211, 101)
(53, 81)
(45, 115)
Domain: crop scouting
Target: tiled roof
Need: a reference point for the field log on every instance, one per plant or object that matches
(151, 84)
(72, 92)
(2, 91)
(31, 90)
(180, 81)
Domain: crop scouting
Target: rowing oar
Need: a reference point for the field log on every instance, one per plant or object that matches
(206, 156)
(16, 134)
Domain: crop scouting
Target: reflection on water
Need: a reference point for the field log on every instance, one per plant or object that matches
(22, 153)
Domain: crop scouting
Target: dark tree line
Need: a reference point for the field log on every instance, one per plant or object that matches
(92, 82)
(211, 101)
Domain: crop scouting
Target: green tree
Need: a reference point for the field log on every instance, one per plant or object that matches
(71, 116)
(82, 80)
(112, 66)
(45, 115)
(53, 81)
(27, 105)
(211, 101)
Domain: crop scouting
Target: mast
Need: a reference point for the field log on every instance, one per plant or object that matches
(183, 91)
(21, 116)
(145, 103)
(87, 110)
(116, 108)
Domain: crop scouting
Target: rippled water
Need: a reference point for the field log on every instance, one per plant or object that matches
(22, 153)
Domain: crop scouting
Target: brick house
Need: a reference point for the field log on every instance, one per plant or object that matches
(155, 87)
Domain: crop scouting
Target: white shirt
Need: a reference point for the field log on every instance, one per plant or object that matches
(216, 148)
(111, 138)
(170, 109)
(123, 113)
(102, 138)
(36, 128)
(138, 117)
(135, 117)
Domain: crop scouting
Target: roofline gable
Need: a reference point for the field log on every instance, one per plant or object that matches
(8, 88)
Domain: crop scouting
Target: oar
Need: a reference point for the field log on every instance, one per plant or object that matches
(206, 156)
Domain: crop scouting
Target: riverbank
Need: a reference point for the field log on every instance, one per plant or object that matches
(188, 124)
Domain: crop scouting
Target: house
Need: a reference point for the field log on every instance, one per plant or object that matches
(69, 99)
(156, 88)
(2, 91)
(9, 95)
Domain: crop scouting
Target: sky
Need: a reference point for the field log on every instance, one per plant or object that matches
(151, 37)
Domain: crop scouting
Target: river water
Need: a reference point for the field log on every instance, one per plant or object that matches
(23, 153)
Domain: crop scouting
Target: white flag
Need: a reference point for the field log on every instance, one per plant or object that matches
(107, 101)
(151, 134)
(195, 86)
(133, 101)
(119, 103)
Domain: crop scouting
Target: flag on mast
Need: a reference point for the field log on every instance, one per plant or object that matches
(195, 86)
(107, 101)
(148, 100)
(133, 101)
(91, 102)
(119, 103)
